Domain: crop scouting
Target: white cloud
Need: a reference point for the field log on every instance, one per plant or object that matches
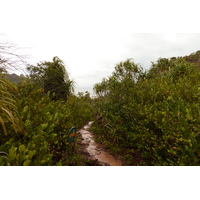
(89, 36)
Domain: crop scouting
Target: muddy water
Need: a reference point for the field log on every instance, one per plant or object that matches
(94, 149)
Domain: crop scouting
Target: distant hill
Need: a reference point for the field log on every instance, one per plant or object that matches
(194, 57)
(15, 78)
(165, 64)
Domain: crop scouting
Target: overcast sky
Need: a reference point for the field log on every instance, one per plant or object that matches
(90, 36)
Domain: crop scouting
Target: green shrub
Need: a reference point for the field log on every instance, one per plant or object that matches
(156, 115)
(45, 124)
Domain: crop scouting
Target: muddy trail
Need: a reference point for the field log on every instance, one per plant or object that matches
(92, 151)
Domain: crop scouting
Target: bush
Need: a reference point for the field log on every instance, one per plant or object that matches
(45, 124)
(155, 116)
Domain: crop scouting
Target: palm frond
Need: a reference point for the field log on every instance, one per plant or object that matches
(8, 106)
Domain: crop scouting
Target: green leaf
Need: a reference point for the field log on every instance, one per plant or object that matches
(43, 161)
(59, 164)
(26, 163)
(12, 153)
(25, 109)
(22, 148)
(31, 154)
(43, 126)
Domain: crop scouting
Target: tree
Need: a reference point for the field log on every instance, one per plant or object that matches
(126, 74)
(53, 78)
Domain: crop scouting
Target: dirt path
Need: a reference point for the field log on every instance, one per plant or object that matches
(93, 151)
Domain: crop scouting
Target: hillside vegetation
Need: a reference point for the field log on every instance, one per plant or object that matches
(37, 114)
(145, 117)
(152, 117)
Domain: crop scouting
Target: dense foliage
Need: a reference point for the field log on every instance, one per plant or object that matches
(152, 118)
(53, 78)
(45, 122)
(145, 117)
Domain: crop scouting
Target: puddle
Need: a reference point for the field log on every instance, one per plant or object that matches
(94, 149)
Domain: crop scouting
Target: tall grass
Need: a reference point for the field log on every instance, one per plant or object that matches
(8, 107)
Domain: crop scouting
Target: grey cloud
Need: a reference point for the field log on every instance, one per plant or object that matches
(143, 48)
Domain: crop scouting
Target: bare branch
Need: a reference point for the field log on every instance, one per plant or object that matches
(10, 59)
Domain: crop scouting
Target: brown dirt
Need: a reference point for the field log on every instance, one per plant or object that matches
(92, 151)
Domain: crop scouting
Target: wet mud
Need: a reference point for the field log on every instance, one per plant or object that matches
(94, 151)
